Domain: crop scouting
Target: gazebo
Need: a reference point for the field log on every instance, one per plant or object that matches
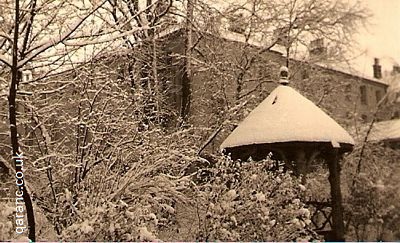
(294, 129)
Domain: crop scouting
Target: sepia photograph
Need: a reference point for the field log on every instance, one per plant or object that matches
(199, 120)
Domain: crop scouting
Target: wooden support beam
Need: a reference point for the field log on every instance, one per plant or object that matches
(333, 159)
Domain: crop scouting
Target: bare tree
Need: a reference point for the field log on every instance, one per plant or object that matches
(46, 38)
(235, 46)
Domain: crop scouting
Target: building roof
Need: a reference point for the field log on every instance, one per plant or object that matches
(287, 116)
(345, 69)
(337, 67)
(385, 131)
(232, 36)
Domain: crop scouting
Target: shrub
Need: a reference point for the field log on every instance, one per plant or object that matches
(250, 202)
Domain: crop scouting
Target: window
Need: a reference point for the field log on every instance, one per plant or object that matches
(363, 95)
(378, 95)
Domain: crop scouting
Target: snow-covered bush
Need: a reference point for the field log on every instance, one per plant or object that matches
(371, 196)
(7, 223)
(135, 203)
(7, 214)
(136, 211)
(94, 139)
(250, 202)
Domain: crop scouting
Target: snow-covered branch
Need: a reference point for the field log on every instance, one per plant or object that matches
(5, 60)
(108, 39)
(53, 42)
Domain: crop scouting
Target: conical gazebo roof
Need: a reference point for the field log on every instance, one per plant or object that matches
(286, 116)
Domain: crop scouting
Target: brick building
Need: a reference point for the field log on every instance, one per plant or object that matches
(233, 76)
(228, 70)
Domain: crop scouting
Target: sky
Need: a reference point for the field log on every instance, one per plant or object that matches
(381, 38)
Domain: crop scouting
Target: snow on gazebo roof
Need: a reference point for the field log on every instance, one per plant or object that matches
(287, 116)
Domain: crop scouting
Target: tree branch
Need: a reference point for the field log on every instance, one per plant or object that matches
(5, 60)
(45, 46)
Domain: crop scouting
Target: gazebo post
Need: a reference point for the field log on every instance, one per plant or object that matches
(333, 159)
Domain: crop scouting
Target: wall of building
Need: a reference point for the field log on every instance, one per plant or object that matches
(219, 83)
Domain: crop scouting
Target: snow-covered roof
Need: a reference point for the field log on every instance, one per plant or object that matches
(168, 31)
(232, 36)
(287, 116)
(385, 131)
(346, 69)
(338, 67)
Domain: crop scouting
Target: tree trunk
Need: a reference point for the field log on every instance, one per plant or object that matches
(16, 155)
(187, 74)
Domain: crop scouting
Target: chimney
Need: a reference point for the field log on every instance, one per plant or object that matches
(282, 36)
(396, 69)
(377, 69)
(317, 49)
